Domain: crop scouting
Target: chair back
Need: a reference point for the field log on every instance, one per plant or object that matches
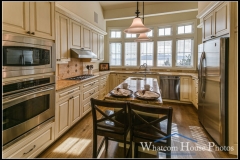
(109, 120)
(150, 122)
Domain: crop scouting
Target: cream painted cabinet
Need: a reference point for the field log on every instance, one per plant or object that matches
(86, 37)
(95, 43)
(113, 81)
(62, 38)
(68, 109)
(103, 86)
(31, 145)
(29, 18)
(217, 22)
(194, 92)
(185, 88)
(75, 34)
(100, 47)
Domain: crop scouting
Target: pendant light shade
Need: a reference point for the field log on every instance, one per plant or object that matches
(137, 26)
(143, 36)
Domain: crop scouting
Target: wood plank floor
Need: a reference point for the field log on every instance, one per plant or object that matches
(77, 142)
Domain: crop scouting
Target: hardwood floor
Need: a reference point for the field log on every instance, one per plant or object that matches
(77, 142)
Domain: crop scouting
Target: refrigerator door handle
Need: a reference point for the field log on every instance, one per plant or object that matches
(202, 78)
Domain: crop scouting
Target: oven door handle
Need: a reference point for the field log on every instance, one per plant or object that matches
(22, 96)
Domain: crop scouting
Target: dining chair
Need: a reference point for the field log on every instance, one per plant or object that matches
(150, 124)
(111, 124)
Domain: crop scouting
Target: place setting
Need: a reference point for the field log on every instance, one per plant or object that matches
(147, 93)
(122, 92)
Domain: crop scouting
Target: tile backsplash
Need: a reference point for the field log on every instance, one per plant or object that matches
(73, 68)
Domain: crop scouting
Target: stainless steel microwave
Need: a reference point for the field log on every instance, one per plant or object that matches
(22, 55)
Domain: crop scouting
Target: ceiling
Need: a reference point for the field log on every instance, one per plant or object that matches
(109, 5)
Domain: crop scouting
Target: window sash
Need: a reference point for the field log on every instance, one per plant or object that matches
(115, 56)
(184, 52)
(146, 50)
(130, 54)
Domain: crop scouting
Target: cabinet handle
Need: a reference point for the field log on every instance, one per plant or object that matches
(92, 92)
(212, 36)
(70, 92)
(92, 84)
(30, 150)
(32, 33)
(71, 97)
(28, 32)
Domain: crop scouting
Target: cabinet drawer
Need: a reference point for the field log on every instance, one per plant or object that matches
(102, 85)
(88, 85)
(103, 79)
(87, 105)
(102, 93)
(90, 92)
(123, 76)
(32, 145)
(67, 92)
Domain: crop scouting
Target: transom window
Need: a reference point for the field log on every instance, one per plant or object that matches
(184, 52)
(165, 31)
(146, 53)
(164, 53)
(131, 53)
(115, 34)
(183, 29)
(131, 35)
(115, 54)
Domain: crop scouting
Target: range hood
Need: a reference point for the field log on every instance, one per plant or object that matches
(82, 53)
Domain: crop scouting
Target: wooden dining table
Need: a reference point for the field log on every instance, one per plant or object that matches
(136, 84)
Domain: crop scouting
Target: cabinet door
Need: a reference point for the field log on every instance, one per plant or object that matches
(221, 19)
(113, 81)
(62, 116)
(194, 92)
(185, 88)
(76, 110)
(75, 34)
(208, 26)
(101, 47)
(95, 43)
(86, 37)
(15, 17)
(62, 38)
(42, 19)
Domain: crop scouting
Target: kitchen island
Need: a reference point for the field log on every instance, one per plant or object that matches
(136, 84)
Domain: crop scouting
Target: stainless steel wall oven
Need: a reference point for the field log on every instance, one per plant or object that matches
(24, 55)
(28, 103)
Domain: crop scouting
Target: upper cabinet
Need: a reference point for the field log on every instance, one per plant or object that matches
(86, 37)
(29, 18)
(217, 22)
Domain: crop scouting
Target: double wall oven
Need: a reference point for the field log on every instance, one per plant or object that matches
(28, 99)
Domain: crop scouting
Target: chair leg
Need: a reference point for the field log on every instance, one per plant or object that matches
(94, 146)
(124, 148)
(168, 154)
(135, 150)
(106, 143)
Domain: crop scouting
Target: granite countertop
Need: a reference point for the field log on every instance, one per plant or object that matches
(62, 84)
(135, 85)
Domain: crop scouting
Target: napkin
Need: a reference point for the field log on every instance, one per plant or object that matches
(148, 94)
(121, 92)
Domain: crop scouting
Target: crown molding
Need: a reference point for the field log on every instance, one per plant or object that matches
(209, 8)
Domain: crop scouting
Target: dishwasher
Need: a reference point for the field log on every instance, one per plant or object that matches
(170, 87)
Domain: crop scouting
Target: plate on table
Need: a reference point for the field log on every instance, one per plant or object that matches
(146, 95)
(119, 92)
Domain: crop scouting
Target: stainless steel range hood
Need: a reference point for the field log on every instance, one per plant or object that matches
(82, 53)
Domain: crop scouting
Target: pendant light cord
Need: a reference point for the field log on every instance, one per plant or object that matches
(137, 12)
(143, 13)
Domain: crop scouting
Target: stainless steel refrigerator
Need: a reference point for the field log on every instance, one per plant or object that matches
(213, 88)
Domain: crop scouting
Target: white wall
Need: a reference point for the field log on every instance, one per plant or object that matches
(85, 10)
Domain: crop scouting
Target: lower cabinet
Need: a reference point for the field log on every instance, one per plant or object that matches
(185, 88)
(33, 144)
(195, 92)
(67, 113)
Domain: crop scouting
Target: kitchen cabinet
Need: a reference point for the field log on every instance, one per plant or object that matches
(62, 38)
(29, 18)
(217, 22)
(95, 43)
(194, 92)
(98, 45)
(103, 86)
(75, 34)
(86, 37)
(113, 78)
(101, 47)
(68, 109)
(33, 144)
(185, 88)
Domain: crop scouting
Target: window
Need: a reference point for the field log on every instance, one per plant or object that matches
(150, 34)
(146, 53)
(184, 52)
(115, 54)
(164, 53)
(115, 34)
(185, 29)
(131, 54)
(164, 31)
(130, 35)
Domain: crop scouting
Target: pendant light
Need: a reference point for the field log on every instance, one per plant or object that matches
(143, 36)
(137, 26)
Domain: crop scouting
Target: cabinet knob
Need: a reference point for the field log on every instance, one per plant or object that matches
(28, 32)
(212, 36)
(32, 33)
